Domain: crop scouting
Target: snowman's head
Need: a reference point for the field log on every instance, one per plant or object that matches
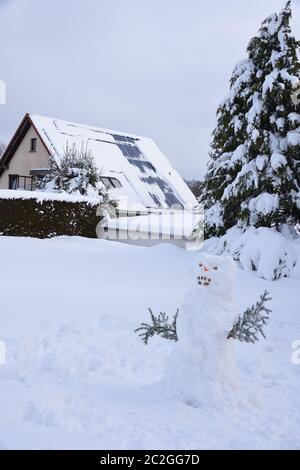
(216, 273)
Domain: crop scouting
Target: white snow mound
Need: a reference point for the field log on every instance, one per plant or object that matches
(268, 252)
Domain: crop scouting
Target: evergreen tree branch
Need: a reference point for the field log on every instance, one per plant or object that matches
(250, 324)
(160, 326)
(77, 172)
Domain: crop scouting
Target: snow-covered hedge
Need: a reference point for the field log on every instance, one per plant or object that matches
(43, 215)
(41, 196)
(268, 252)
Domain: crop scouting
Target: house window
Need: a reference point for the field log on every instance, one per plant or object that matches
(13, 181)
(33, 145)
(20, 182)
(116, 183)
(107, 183)
(111, 183)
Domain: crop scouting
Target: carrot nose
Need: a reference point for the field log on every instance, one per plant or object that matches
(206, 269)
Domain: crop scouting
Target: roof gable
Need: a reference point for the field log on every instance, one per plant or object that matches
(16, 140)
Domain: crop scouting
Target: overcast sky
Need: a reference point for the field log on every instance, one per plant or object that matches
(157, 68)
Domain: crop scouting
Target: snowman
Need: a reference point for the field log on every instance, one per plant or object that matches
(203, 361)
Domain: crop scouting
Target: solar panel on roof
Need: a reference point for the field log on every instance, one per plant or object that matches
(123, 150)
(119, 138)
(130, 151)
(132, 139)
(148, 174)
(155, 199)
(133, 151)
(170, 197)
(124, 138)
(143, 165)
(172, 200)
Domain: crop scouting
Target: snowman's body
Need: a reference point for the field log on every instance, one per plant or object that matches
(203, 359)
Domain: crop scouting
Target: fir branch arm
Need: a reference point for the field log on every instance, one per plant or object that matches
(160, 326)
(251, 323)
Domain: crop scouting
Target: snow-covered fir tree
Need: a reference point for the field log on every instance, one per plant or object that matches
(77, 172)
(253, 174)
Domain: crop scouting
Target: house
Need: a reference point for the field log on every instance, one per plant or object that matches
(133, 169)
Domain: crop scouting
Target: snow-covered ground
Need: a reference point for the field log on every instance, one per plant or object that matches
(77, 376)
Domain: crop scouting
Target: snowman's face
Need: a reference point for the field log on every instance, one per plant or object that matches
(216, 273)
(205, 277)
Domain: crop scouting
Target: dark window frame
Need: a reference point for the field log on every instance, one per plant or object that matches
(12, 179)
(33, 144)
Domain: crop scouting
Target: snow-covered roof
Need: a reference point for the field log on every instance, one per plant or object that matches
(148, 180)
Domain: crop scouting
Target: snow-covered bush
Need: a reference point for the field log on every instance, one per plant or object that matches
(265, 250)
(253, 175)
(77, 172)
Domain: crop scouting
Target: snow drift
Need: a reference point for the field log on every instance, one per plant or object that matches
(265, 250)
(78, 377)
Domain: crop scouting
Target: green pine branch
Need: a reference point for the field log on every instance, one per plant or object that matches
(247, 327)
(250, 324)
(160, 326)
